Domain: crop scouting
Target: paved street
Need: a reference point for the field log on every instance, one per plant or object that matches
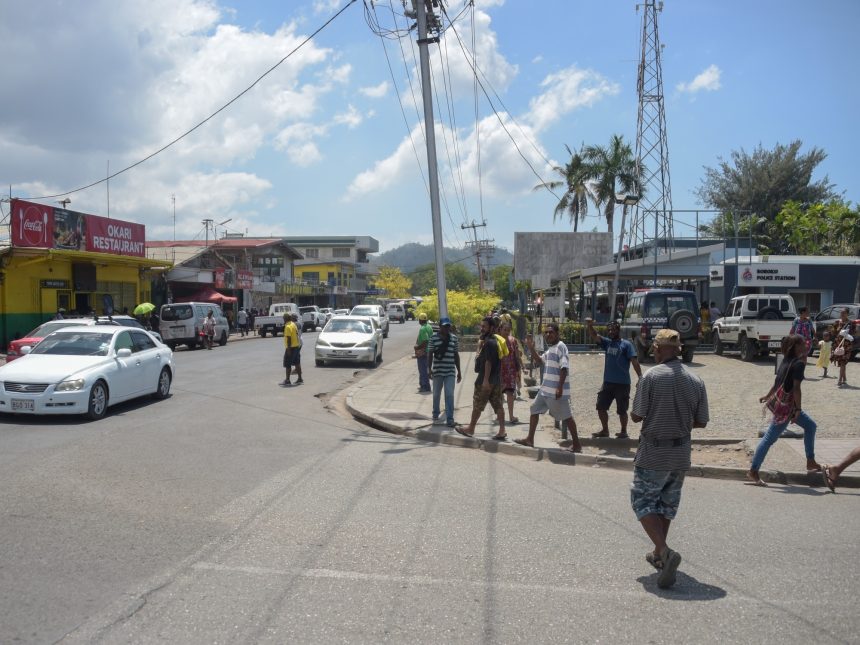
(241, 512)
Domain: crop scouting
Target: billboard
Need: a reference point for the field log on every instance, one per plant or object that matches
(39, 226)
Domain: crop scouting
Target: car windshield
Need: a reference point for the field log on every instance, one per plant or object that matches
(305, 310)
(346, 326)
(364, 311)
(75, 343)
(46, 328)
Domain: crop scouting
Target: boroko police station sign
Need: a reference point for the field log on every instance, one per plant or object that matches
(39, 226)
(769, 275)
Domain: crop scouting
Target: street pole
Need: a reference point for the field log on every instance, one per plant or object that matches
(420, 8)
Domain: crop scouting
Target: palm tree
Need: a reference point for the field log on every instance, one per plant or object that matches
(608, 170)
(574, 177)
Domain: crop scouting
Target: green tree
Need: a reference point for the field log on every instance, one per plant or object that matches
(423, 279)
(611, 170)
(832, 228)
(392, 280)
(502, 283)
(457, 277)
(465, 308)
(759, 184)
(574, 179)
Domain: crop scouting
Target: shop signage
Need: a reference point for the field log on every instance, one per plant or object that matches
(769, 275)
(219, 278)
(244, 279)
(54, 284)
(40, 226)
(717, 275)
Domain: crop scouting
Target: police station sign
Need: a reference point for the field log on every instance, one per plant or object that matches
(769, 275)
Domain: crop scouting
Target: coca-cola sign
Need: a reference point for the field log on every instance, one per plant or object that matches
(31, 223)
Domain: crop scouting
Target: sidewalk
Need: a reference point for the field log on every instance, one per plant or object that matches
(388, 399)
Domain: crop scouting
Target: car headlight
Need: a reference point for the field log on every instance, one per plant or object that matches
(365, 343)
(322, 343)
(70, 386)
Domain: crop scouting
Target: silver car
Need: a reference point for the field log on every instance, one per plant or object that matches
(374, 311)
(357, 339)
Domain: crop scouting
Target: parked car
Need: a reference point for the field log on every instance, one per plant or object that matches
(182, 323)
(31, 338)
(350, 338)
(341, 312)
(374, 311)
(396, 312)
(650, 310)
(327, 312)
(311, 317)
(274, 323)
(754, 324)
(84, 369)
(828, 317)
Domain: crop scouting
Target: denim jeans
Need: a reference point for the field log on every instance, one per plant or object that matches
(775, 430)
(423, 378)
(448, 383)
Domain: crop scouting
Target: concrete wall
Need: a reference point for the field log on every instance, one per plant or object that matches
(541, 257)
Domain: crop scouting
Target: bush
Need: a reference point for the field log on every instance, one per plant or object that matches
(465, 308)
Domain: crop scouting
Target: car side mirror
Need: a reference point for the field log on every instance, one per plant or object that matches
(26, 349)
(123, 352)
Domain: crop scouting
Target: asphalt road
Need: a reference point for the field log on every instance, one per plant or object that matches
(238, 511)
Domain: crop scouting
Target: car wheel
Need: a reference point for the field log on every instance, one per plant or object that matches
(223, 340)
(385, 333)
(379, 358)
(98, 401)
(172, 346)
(262, 333)
(319, 362)
(748, 350)
(687, 354)
(192, 345)
(163, 388)
(718, 344)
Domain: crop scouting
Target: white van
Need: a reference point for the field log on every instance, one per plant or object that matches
(396, 311)
(182, 322)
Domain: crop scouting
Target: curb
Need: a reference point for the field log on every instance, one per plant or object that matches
(562, 456)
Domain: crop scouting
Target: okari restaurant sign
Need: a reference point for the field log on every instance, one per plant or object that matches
(40, 226)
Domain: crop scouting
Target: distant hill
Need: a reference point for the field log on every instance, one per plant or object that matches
(410, 256)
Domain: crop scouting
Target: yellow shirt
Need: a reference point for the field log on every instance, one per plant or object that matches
(291, 336)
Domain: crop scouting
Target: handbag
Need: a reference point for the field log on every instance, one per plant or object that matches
(839, 351)
(420, 350)
(781, 404)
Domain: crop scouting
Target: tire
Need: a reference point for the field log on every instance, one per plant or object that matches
(262, 332)
(192, 344)
(769, 313)
(385, 333)
(223, 340)
(172, 346)
(687, 354)
(748, 349)
(718, 344)
(683, 321)
(98, 401)
(319, 362)
(163, 388)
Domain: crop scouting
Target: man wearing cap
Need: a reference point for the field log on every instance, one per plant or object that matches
(445, 356)
(670, 401)
(620, 355)
(425, 331)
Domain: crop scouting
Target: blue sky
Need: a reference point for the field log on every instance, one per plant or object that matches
(320, 145)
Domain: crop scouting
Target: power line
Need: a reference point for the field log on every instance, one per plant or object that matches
(211, 116)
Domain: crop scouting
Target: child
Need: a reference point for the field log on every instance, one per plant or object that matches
(824, 353)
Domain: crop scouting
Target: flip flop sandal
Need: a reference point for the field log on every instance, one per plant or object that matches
(654, 560)
(828, 479)
(622, 435)
(462, 432)
(600, 435)
(671, 560)
(500, 437)
(524, 442)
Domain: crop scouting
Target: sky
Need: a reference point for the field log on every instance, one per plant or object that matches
(331, 141)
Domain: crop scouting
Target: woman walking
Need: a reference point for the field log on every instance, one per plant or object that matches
(803, 326)
(511, 369)
(843, 333)
(785, 401)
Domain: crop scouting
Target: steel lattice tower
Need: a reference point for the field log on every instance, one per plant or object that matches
(652, 149)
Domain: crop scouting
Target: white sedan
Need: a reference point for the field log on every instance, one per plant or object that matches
(349, 338)
(85, 369)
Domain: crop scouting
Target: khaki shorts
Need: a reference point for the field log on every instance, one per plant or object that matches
(493, 397)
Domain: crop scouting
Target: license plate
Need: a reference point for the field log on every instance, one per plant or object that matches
(774, 344)
(25, 405)
(341, 352)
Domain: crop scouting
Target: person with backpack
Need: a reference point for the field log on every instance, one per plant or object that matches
(786, 404)
(554, 394)
(488, 384)
(444, 355)
(425, 331)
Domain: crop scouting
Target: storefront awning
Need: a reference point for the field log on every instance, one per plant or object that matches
(208, 294)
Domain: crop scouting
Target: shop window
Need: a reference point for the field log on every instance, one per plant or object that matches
(340, 253)
(312, 253)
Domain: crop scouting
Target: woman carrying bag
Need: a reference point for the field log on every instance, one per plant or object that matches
(784, 400)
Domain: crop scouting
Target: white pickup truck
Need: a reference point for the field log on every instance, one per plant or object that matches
(274, 323)
(754, 324)
(312, 317)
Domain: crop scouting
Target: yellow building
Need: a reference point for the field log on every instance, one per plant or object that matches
(48, 265)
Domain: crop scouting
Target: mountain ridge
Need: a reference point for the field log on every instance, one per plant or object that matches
(412, 255)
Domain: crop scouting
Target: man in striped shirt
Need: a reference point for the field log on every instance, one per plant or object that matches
(670, 401)
(443, 362)
(554, 395)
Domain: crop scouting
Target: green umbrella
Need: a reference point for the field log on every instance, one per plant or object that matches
(143, 308)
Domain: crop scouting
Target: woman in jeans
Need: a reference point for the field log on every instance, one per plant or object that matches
(790, 376)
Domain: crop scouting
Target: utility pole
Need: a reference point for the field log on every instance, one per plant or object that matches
(207, 223)
(423, 12)
(479, 247)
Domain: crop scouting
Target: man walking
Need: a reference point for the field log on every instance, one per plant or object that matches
(670, 401)
(425, 331)
(444, 354)
(620, 355)
(297, 352)
(291, 343)
(554, 394)
(488, 384)
(242, 319)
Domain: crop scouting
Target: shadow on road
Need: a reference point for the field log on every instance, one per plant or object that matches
(686, 588)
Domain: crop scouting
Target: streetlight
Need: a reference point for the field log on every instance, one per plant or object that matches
(64, 202)
(626, 200)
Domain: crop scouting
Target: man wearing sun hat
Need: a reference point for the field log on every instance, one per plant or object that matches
(670, 401)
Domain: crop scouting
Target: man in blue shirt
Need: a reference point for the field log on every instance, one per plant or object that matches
(620, 354)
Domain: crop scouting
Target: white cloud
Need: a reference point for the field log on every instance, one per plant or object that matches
(567, 90)
(351, 118)
(386, 172)
(537, 59)
(326, 6)
(708, 80)
(375, 91)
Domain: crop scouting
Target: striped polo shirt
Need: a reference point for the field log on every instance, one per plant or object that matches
(669, 398)
(444, 366)
(555, 359)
